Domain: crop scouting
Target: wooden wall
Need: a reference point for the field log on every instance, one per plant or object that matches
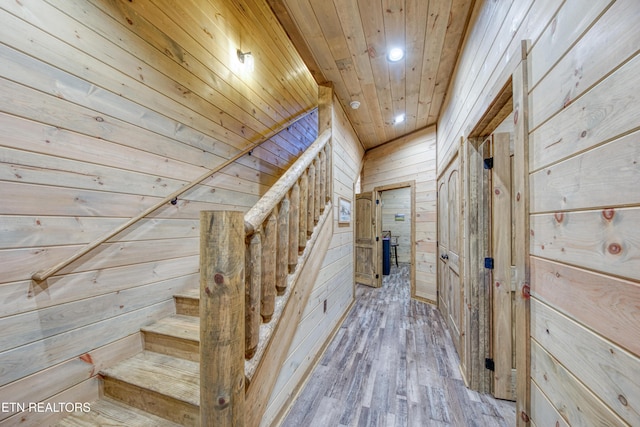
(105, 108)
(335, 283)
(412, 158)
(584, 152)
(395, 202)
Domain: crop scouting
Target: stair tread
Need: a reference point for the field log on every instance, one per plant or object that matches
(167, 375)
(189, 293)
(107, 412)
(178, 325)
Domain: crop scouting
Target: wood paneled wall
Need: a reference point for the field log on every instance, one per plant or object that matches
(335, 283)
(412, 158)
(584, 200)
(105, 108)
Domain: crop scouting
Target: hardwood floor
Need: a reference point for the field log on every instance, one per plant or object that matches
(392, 364)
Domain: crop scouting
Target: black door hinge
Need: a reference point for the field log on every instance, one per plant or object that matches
(488, 163)
(489, 364)
(377, 238)
(488, 263)
(377, 276)
(377, 202)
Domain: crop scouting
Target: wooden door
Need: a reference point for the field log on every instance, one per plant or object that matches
(365, 236)
(502, 287)
(449, 246)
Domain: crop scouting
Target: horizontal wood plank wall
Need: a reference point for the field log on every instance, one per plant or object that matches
(105, 108)
(335, 283)
(584, 138)
(412, 158)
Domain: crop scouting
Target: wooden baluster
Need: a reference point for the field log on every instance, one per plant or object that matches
(282, 262)
(316, 199)
(253, 276)
(311, 185)
(323, 181)
(294, 221)
(222, 261)
(302, 209)
(329, 173)
(268, 288)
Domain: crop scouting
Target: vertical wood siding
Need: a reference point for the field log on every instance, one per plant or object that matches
(335, 281)
(584, 199)
(105, 108)
(412, 158)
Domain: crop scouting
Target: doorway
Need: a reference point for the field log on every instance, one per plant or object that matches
(390, 209)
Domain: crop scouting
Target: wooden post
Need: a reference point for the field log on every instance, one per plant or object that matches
(282, 262)
(294, 222)
(222, 394)
(268, 288)
(311, 188)
(325, 121)
(253, 276)
(302, 209)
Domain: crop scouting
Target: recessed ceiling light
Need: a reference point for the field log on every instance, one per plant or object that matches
(399, 119)
(395, 54)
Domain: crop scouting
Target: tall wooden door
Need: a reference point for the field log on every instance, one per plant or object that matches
(365, 237)
(449, 250)
(502, 288)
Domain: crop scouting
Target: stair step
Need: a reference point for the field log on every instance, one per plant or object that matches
(176, 335)
(188, 302)
(107, 412)
(163, 385)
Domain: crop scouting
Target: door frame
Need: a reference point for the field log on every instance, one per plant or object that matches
(412, 268)
(511, 96)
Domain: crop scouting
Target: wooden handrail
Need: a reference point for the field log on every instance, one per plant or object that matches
(256, 216)
(278, 235)
(44, 274)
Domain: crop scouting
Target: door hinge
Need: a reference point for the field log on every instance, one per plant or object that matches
(377, 238)
(488, 263)
(489, 364)
(377, 276)
(377, 202)
(488, 163)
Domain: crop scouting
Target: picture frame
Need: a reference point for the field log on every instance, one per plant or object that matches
(344, 211)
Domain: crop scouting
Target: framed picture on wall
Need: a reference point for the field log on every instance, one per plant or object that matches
(344, 211)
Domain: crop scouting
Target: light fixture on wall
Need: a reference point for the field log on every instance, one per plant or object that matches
(245, 58)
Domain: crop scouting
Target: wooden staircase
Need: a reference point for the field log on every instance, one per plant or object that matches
(267, 260)
(159, 386)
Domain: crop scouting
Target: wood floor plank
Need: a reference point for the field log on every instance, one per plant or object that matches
(393, 364)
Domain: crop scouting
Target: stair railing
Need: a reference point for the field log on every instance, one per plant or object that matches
(44, 274)
(246, 262)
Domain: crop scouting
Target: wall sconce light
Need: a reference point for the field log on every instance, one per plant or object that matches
(245, 58)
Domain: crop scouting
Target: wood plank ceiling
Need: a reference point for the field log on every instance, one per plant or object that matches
(346, 42)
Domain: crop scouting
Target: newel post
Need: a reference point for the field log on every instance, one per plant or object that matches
(222, 296)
